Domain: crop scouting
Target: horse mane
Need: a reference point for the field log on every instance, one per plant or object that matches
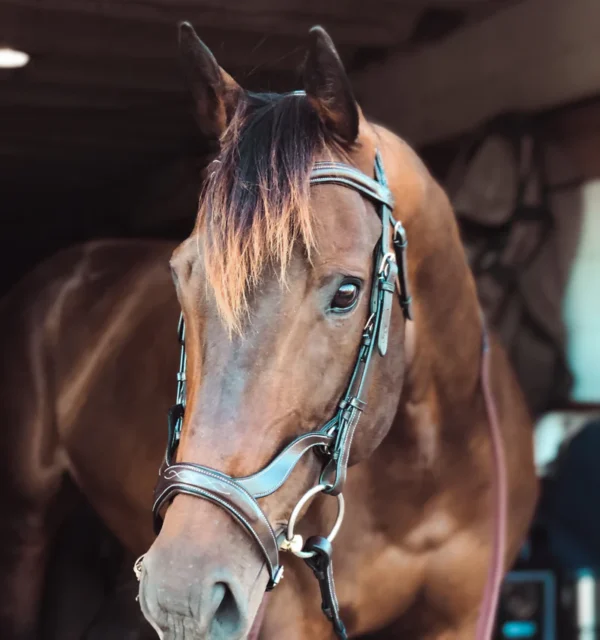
(255, 206)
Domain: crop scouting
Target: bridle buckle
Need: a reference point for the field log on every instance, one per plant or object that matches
(277, 578)
(400, 238)
(384, 265)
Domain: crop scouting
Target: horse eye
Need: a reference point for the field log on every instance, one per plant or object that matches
(345, 297)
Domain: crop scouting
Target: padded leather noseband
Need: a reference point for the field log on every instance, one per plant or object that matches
(239, 496)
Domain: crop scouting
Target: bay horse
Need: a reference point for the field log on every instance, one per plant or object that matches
(278, 284)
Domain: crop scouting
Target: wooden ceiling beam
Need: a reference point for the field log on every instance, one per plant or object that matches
(149, 129)
(105, 137)
(57, 96)
(42, 32)
(532, 56)
(130, 76)
(355, 23)
(53, 145)
(85, 71)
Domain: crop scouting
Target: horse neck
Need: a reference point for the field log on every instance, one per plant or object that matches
(444, 343)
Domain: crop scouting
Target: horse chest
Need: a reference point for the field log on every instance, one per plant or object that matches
(375, 585)
(379, 579)
(382, 589)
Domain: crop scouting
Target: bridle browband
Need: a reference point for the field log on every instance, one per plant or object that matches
(333, 441)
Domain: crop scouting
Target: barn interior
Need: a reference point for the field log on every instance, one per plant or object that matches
(100, 121)
(500, 97)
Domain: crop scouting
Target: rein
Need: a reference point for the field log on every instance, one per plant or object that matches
(332, 442)
(491, 594)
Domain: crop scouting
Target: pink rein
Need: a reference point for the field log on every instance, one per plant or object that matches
(491, 594)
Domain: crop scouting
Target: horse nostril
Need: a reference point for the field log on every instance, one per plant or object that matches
(227, 619)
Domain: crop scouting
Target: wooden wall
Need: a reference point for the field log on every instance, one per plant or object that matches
(534, 55)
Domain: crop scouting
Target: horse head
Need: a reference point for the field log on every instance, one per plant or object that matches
(278, 285)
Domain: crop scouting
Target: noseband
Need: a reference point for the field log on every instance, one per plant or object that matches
(332, 441)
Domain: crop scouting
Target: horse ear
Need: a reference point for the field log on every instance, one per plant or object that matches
(328, 88)
(215, 92)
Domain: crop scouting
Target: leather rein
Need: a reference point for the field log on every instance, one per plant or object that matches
(332, 442)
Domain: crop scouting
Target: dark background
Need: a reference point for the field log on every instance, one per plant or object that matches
(96, 133)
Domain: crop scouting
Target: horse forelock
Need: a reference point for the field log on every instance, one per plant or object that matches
(255, 207)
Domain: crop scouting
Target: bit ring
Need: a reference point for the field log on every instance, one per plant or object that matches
(293, 542)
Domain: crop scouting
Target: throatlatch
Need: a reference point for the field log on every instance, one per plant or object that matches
(239, 496)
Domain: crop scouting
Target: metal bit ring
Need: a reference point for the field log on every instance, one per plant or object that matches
(293, 542)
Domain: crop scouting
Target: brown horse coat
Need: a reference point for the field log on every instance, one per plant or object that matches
(88, 372)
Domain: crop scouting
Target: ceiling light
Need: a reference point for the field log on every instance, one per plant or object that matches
(12, 59)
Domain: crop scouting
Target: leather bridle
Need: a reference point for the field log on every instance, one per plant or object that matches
(332, 442)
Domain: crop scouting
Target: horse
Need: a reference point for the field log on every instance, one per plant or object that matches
(286, 287)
